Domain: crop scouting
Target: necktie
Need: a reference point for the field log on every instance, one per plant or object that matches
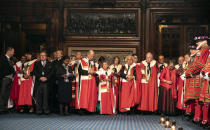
(22, 65)
(161, 67)
(89, 63)
(148, 69)
(10, 63)
(43, 63)
(180, 67)
(128, 69)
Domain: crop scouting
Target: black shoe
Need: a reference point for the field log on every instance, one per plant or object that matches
(81, 112)
(189, 117)
(208, 127)
(47, 112)
(3, 112)
(39, 112)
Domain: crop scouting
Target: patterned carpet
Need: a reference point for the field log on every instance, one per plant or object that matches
(98, 122)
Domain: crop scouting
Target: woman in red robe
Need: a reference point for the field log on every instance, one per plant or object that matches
(168, 90)
(26, 87)
(14, 95)
(106, 97)
(116, 67)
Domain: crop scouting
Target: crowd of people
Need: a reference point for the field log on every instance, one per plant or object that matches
(36, 84)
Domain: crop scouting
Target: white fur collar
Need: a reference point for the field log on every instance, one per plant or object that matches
(165, 64)
(131, 66)
(19, 64)
(86, 59)
(102, 71)
(118, 67)
(152, 63)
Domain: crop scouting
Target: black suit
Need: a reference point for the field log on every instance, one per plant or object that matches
(42, 88)
(6, 75)
(54, 87)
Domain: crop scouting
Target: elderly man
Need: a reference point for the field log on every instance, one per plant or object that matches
(181, 67)
(75, 83)
(180, 64)
(87, 93)
(193, 71)
(161, 61)
(149, 84)
(128, 85)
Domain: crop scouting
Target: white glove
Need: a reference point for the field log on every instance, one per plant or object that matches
(206, 76)
(183, 77)
(201, 75)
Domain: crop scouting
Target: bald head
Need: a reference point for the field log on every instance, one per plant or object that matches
(180, 60)
(90, 54)
(78, 55)
(129, 60)
(149, 57)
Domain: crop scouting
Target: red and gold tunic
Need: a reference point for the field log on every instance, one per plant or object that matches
(205, 90)
(199, 63)
(192, 84)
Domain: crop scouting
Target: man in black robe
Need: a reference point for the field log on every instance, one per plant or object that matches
(43, 72)
(54, 84)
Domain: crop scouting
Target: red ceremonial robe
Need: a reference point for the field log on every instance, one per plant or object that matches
(26, 86)
(116, 83)
(149, 87)
(168, 92)
(137, 82)
(16, 84)
(170, 75)
(74, 83)
(87, 93)
(180, 86)
(205, 92)
(127, 92)
(106, 92)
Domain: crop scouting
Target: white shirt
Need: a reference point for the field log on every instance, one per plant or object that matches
(8, 57)
(43, 63)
